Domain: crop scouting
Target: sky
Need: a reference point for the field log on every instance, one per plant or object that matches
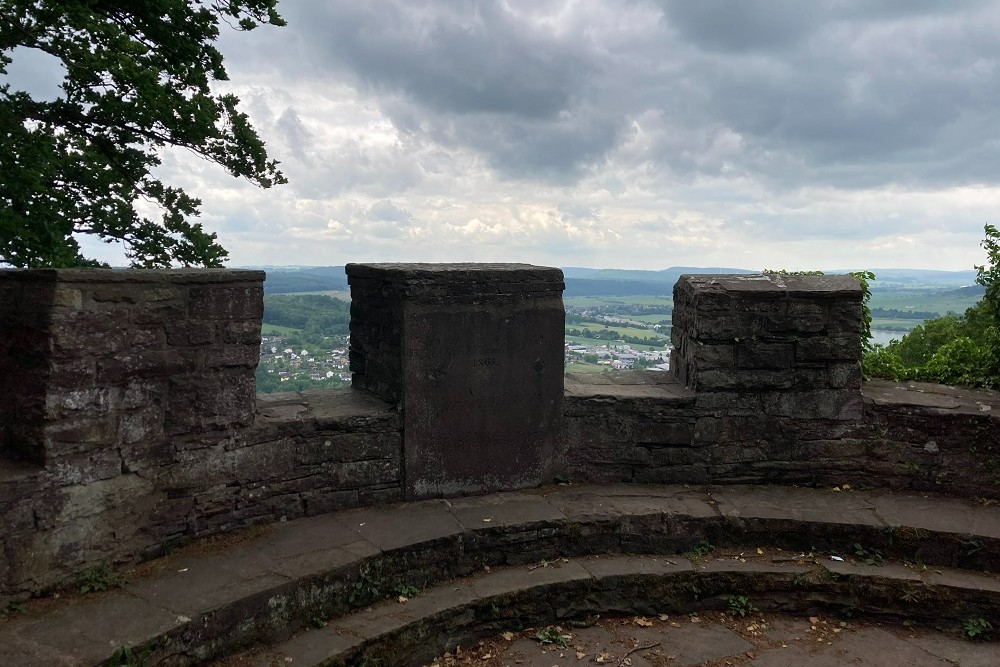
(615, 134)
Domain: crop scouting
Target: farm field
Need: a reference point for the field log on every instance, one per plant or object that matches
(589, 301)
(936, 301)
(277, 330)
(575, 367)
(343, 295)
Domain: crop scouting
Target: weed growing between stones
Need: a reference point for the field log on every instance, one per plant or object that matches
(699, 549)
(367, 588)
(11, 609)
(740, 605)
(976, 628)
(406, 591)
(553, 634)
(126, 656)
(869, 556)
(100, 578)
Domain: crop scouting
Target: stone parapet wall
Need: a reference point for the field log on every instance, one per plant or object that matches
(304, 455)
(129, 422)
(921, 437)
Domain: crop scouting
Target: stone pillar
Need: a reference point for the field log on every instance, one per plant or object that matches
(125, 363)
(770, 345)
(473, 355)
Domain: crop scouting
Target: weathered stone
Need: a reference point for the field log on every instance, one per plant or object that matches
(467, 349)
(227, 303)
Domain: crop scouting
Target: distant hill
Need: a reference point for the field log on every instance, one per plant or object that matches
(665, 275)
(581, 281)
(970, 290)
(919, 278)
(311, 279)
(594, 287)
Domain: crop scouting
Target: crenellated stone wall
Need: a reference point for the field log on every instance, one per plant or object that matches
(129, 423)
(766, 388)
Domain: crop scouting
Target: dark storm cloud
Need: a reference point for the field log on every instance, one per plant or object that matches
(847, 94)
(836, 93)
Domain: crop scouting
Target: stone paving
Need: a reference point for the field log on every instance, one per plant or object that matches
(716, 639)
(203, 602)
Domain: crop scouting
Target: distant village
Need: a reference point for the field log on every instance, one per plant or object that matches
(618, 357)
(293, 363)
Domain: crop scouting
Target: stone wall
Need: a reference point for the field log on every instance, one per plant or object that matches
(121, 364)
(129, 422)
(770, 345)
(767, 389)
(646, 427)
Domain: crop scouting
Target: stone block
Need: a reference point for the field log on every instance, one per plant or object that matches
(232, 356)
(201, 402)
(226, 302)
(183, 332)
(144, 364)
(242, 332)
(828, 348)
(477, 368)
(708, 356)
(746, 379)
(761, 355)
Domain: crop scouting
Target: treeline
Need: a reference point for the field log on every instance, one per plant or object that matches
(609, 334)
(897, 314)
(311, 313)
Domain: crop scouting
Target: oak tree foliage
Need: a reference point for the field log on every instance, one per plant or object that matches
(137, 78)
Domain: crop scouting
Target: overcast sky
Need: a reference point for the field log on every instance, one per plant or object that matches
(617, 133)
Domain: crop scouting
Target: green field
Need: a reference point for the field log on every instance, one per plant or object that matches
(940, 302)
(574, 367)
(276, 330)
(579, 340)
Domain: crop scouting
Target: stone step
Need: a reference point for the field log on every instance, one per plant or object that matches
(402, 631)
(223, 596)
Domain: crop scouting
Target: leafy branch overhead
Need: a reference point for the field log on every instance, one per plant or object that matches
(137, 78)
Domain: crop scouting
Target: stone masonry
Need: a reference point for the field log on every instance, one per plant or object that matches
(129, 424)
(770, 345)
(472, 353)
(121, 365)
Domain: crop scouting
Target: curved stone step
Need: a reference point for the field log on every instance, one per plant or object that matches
(204, 603)
(404, 632)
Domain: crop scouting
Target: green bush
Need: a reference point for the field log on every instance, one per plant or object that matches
(881, 362)
(954, 349)
(961, 361)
